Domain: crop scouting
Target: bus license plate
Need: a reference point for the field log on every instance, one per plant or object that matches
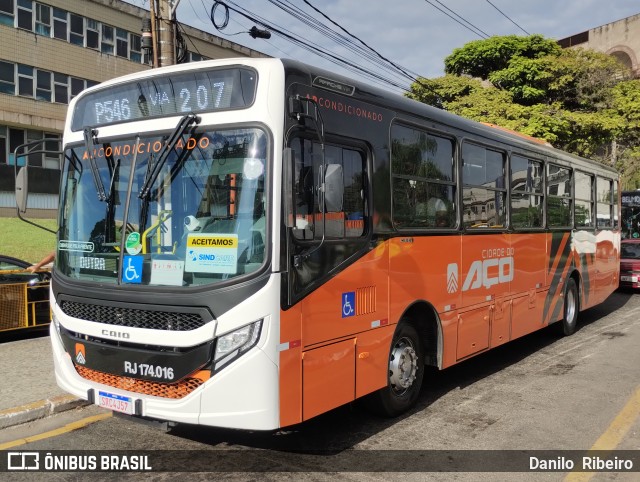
(629, 279)
(114, 402)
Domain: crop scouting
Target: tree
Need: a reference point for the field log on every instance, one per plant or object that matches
(443, 89)
(626, 107)
(578, 100)
(482, 57)
(578, 79)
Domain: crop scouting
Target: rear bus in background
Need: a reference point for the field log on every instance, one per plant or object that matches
(249, 243)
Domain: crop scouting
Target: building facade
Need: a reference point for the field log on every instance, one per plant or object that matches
(620, 39)
(50, 50)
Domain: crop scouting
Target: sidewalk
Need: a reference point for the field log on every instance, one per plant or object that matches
(29, 390)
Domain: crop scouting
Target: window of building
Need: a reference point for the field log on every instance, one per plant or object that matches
(25, 80)
(484, 193)
(43, 85)
(7, 12)
(25, 14)
(57, 23)
(77, 86)
(60, 88)
(584, 199)
(526, 193)
(40, 84)
(559, 201)
(51, 156)
(43, 20)
(76, 34)
(7, 78)
(135, 51)
(60, 24)
(16, 138)
(11, 138)
(106, 47)
(605, 201)
(122, 43)
(347, 222)
(195, 57)
(424, 192)
(3, 145)
(93, 34)
(35, 159)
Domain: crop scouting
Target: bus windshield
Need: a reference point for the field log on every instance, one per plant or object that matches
(199, 220)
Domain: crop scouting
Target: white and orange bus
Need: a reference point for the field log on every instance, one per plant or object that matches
(249, 243)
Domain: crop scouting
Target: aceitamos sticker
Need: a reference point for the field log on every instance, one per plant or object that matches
(212, 253)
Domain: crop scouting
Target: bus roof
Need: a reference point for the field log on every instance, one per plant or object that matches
(374, 96)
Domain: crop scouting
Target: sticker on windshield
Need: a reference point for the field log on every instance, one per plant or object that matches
(82, 246)
(212, 253)
(132, 269)
(132, 245)
(166, 271)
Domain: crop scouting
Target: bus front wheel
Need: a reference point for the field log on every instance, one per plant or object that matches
(405, 373)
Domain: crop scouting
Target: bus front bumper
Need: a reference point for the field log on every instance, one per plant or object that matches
(243, 395)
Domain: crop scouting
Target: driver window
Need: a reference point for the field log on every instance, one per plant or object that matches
(347, 223)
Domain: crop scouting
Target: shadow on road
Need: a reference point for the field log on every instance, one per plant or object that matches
(24, 334)
(349, 425)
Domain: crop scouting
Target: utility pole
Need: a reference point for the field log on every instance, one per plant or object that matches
(166, 33)
(154, 38)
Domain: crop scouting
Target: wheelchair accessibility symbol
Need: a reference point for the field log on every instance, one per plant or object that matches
(348, 304)
(132, 269)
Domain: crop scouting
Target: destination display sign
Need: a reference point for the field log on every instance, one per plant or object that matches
(171, 94)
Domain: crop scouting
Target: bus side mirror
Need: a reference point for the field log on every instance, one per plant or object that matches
(334, 188)
(22, 190)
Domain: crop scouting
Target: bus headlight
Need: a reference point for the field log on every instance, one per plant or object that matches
(235, 344)
(56, 322)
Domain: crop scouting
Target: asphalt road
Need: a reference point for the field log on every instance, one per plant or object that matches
(541, 392)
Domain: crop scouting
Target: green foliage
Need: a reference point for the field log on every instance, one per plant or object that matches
(443, 89)
(578, 100)
(482, 57)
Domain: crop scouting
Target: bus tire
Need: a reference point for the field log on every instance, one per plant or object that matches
(405, 374)
(571, 308)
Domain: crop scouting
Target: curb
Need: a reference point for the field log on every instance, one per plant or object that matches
(40, 409)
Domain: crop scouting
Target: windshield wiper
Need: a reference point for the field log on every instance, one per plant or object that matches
(90, 136)
(154, 171)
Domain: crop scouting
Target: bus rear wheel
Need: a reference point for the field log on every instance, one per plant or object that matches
(571, 308)
(405, 374)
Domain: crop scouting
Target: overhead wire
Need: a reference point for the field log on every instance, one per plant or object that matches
(410, 76)
(309, 46)
(464, 19)
(368, 52)
(336, 37)
(507, 17)
(246, 29)
(413, 77)
(478, 33)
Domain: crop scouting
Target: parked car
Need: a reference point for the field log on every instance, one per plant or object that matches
(24, 296)
(630, 263)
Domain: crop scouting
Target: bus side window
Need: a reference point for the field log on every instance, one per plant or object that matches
(423, 177)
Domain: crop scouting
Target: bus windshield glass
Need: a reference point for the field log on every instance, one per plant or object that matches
(201, 220)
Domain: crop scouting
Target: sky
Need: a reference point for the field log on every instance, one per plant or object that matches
(413, 34)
